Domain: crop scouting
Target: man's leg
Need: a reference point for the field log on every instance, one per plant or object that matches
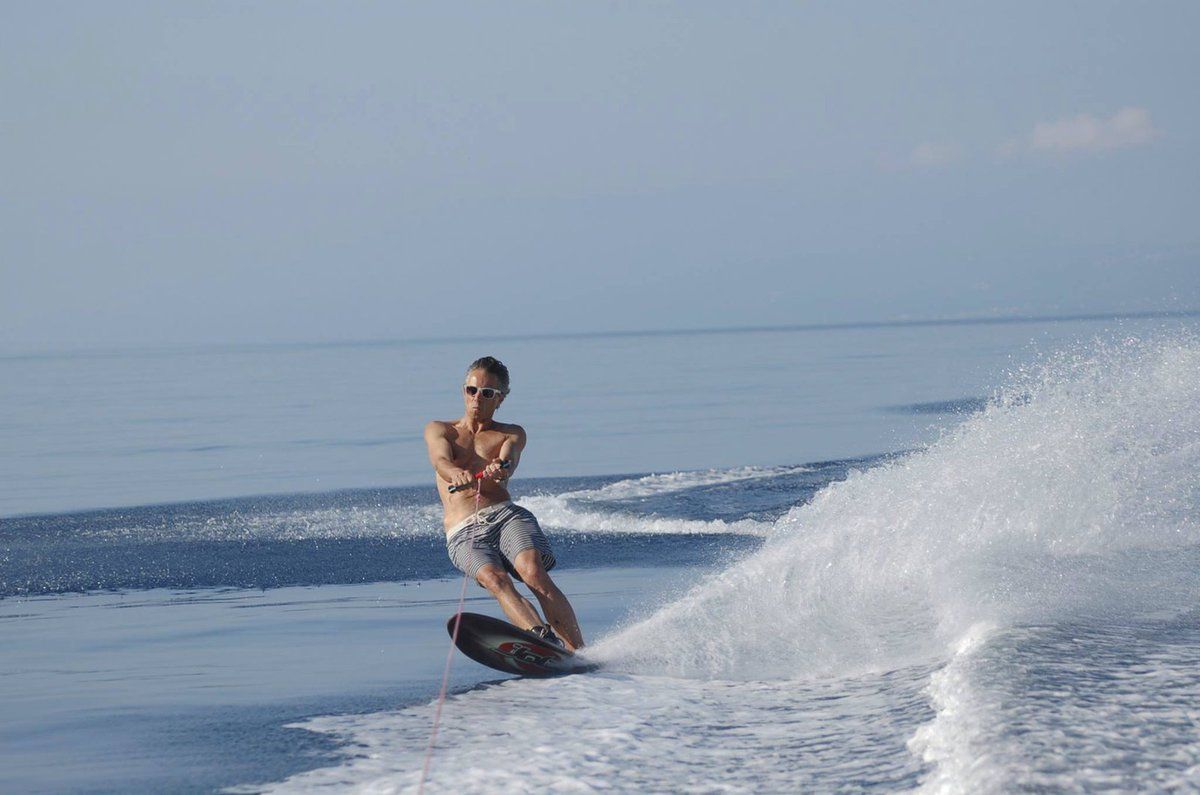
(518, 609)
(554, 603)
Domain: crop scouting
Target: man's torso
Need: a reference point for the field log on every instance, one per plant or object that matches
(472, 452)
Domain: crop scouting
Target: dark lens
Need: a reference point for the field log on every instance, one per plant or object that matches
(488, 392)
(471, 390)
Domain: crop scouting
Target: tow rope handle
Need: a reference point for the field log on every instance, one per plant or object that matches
(505, 464)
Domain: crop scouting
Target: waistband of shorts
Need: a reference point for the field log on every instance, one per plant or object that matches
(470, 520)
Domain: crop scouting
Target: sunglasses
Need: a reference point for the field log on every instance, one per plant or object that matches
(486, 392)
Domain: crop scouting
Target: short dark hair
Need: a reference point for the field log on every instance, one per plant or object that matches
(492, 366)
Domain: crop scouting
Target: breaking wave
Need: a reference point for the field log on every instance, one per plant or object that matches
(1029, 510)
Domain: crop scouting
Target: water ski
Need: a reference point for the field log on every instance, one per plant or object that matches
(498, 644)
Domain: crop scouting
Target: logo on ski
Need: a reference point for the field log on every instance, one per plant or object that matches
(523, 652)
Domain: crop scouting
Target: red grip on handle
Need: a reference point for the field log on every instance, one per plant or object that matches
(478, 476)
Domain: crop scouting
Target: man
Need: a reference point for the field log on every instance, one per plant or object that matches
(495, 538)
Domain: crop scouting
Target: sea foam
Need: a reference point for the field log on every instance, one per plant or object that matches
(1021, 512)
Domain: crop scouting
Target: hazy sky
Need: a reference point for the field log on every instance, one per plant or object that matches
(214, 172)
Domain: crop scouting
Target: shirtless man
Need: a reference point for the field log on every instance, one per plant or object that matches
(499, 538)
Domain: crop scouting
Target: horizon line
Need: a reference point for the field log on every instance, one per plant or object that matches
(981, 320)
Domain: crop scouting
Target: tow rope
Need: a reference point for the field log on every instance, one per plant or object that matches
(462, 598)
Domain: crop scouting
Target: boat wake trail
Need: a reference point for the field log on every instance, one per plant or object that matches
(612, 507)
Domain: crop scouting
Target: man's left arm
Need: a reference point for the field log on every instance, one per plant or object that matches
(510, 451)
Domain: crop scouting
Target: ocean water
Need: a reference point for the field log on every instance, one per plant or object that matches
(948, 559)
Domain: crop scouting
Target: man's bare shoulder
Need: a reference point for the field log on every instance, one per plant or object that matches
(510, 429)
(440, 428)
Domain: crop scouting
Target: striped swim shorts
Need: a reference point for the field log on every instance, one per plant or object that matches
(502, 532)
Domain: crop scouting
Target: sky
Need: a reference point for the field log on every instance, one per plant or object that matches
(194, 173)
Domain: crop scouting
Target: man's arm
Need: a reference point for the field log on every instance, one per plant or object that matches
(510, 451)
(441, 455)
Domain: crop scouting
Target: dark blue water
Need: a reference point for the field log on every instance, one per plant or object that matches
(387, 535)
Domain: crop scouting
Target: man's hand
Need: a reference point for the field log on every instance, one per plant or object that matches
(461, 477)
(497, 470)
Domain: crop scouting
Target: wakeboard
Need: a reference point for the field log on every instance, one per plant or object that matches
(498, 644)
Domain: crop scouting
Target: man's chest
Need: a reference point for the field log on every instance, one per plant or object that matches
(484, 445)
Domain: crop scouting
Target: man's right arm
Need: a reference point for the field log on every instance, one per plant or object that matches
(441, 455)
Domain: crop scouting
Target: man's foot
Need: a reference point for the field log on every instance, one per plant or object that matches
(545, 633)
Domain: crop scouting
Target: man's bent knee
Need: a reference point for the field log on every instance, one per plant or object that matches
(529, 565)
(492, 578)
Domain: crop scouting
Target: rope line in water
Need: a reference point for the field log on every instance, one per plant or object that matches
(441, 699)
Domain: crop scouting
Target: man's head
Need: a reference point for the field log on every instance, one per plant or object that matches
(485, 387)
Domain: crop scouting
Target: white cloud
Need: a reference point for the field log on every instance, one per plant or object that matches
(934, 154)
(1086, 133)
